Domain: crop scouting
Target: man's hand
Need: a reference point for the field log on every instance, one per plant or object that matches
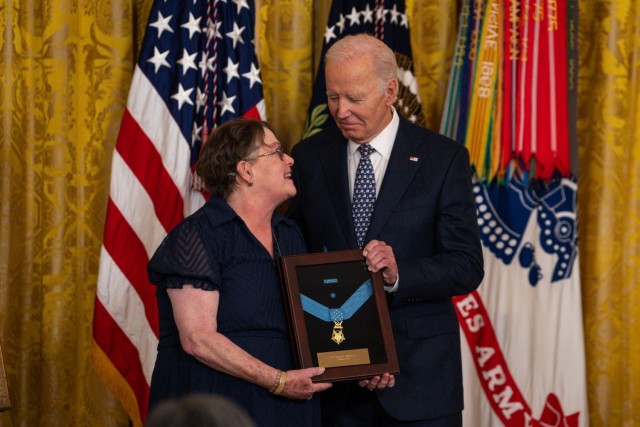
(380, 257)
(387, 380)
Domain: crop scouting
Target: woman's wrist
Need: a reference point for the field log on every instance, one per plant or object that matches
(278, 385)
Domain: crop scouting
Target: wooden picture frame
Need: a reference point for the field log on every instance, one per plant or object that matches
(5, 403)
(338, 315)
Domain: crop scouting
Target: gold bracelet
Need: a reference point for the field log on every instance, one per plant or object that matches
(281, 381)
(277, 383)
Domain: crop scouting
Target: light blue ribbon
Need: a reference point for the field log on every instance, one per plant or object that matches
(348, 309)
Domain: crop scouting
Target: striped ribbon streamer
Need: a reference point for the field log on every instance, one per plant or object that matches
(553, 146)
(540, 94)
(494, 150)
(484, 86)
(454, 113)
(543, 135)
(511, 61)
(527, 83)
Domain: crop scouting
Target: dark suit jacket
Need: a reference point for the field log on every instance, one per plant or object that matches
(426, 212)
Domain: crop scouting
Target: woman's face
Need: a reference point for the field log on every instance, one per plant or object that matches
(272, 168)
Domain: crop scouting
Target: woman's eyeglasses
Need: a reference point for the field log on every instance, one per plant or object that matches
(279, 151)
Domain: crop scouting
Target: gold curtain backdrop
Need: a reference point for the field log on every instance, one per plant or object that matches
(609, 206)
(66, 70)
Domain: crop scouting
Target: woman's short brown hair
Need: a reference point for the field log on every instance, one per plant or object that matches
(227, 145)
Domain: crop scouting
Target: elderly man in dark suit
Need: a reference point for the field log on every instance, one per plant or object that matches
(406, 199)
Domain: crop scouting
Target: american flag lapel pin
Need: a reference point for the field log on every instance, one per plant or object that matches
(413, 158)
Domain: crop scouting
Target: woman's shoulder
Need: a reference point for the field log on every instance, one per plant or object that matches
(214, 214)
(288, 230)
(284, 224)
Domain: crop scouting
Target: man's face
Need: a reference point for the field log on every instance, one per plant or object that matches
(358, 102)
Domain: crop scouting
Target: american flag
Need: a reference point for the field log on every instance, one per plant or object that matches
(197, 69)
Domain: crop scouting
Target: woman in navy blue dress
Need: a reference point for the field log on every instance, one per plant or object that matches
(222, 321)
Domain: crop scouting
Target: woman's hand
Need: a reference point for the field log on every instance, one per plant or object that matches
(299, 384)
(193, 310)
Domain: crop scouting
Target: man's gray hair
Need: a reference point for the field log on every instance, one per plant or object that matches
(355, 46)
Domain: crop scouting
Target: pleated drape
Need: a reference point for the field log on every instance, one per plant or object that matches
(609, 206)
(66, 70)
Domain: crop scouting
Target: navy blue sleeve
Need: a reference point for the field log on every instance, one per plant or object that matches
(183, 258)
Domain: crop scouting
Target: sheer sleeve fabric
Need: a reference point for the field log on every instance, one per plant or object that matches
(183, 258)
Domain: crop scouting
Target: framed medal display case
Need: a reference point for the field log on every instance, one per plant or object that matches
(338, 315)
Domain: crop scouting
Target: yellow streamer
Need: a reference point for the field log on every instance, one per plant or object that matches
(484, 85)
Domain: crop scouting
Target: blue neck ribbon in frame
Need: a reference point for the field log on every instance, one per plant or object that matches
(338, 315)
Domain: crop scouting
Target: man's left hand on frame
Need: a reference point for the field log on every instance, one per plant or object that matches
(380, 257)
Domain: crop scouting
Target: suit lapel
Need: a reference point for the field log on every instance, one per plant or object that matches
(334, 164)
(403, 164)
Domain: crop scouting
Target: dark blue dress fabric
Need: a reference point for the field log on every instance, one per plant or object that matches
(214, 250)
